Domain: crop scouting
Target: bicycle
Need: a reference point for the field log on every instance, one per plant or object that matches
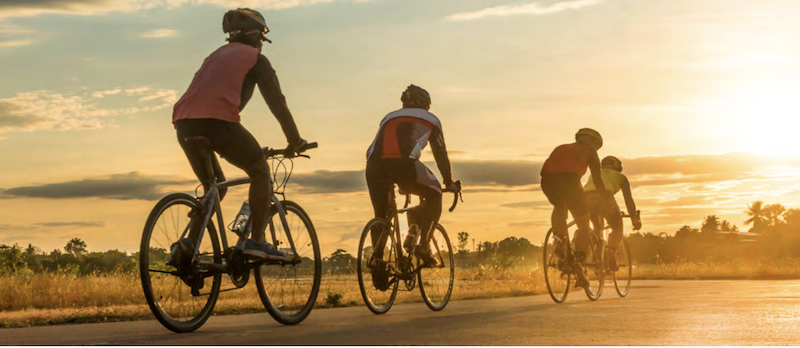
(559, 271)
(435, 283)
(172, 280)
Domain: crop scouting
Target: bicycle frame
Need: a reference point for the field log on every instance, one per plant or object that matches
(210, 203)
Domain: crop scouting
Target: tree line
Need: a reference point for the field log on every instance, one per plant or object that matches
(774, 234)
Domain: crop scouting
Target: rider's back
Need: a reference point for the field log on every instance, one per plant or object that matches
(568, 158)
(404, 133)
(215, 91)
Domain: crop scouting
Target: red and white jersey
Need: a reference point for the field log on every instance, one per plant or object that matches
(404, 133)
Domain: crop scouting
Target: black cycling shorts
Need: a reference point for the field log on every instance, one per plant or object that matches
(565, 189)
(229, 139)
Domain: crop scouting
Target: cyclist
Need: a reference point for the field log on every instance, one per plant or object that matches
(394, 157)
(210, 108)
(606, 207)
(561, 183)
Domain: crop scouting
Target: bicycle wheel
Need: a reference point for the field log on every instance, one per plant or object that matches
(557, 280)
(290, 291)
(622, 277)
(378, 301)
(167, 288)
(436, 283)
(594, 268)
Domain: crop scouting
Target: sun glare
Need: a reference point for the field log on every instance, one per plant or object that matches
(761, 115)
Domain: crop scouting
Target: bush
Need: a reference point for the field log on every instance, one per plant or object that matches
(334, 298)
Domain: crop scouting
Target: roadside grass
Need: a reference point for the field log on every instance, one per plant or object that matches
(52, 298)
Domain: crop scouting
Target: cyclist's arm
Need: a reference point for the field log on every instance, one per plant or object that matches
(594, 168)
(440, 155)
(626, 192)
(264, 76)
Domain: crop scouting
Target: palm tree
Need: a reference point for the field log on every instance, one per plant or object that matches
(774, 212)
(758, 216)
(710, 224)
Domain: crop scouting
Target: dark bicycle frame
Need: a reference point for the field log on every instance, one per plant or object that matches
(211, 199)
(394, 215)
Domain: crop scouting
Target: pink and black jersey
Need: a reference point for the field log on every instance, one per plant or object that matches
(216, 88)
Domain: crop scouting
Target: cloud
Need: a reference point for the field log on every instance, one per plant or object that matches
(492, 173)
(510, 10)
(45, 110)
(15, 43)
(26, 8)
(159, 33)
(133, 185)
(72, 223)
(325, 181)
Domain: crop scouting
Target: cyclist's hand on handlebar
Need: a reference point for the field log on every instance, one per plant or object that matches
(452, 187)
(297, 147)
(637, 224)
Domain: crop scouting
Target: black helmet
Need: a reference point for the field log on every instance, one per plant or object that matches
(416, 97)
(245, 21)
(612, 163)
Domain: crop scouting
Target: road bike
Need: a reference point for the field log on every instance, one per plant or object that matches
(182, 288)
(559, 271)
(399, 265)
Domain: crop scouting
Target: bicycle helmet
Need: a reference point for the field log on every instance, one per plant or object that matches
(416, 97)
(612, 162)
(591, 133)
(244, 21)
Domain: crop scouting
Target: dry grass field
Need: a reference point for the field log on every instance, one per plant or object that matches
(43, 299)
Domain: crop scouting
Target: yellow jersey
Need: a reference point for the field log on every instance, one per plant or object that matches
(612, 180)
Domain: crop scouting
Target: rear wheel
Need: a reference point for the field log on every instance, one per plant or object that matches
(557, 280)
(622, 277)
(169, 288)
(436, 283)
(594, 268)
(289, 291)
(378, 300)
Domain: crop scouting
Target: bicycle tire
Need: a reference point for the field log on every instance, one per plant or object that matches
(292, 309)
(380, 302)
(435, 277)
(557, 286)
(624, 267)
(156, 258)
(595, 269)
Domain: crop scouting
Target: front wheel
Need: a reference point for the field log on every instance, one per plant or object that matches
(436, 283)
(622, 277)
(594, 268)
(289, 291)
(556, 275)
(377, 290)
(181, 295)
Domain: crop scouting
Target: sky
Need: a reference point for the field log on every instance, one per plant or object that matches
(696, 97)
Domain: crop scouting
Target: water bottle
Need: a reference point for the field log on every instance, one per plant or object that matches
(240, 223)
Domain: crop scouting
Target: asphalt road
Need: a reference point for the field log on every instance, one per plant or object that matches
(654, 313)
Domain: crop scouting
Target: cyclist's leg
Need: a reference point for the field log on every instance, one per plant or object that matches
(551, 189)
(236, 145)
(576, 203)
(420, 181)
(380, 187)
(614, 218)
(595, 211)
(192, 128)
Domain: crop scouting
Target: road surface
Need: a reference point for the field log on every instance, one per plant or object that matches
(654, 313)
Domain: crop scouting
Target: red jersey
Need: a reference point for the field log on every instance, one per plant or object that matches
(568, 158)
